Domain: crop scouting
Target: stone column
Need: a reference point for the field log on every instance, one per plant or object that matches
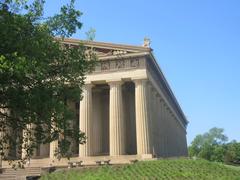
(4, 150)
(53, 149)
(166, 145)
(169, 150)
(97, 123)
(173, 134)
(154, 127)
(53, 146)
(26, 140)
(4, 133)
(185, 144)
(1, 136)
(142, 118)
(29, 134)
(151, 115)
(86, 120)
(160, 125)
(116, 120)
(5, 144)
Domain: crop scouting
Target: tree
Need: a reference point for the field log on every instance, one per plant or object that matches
(232, 155)
(209, 145)
(196, 145)
(38, 75)
(213, 146)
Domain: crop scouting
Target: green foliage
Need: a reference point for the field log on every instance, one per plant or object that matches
(65, 23)
(160, 169)
(232, 155)
(218, 153)
(39, 75)
(213, 147)
(91, 34)
(209, 145)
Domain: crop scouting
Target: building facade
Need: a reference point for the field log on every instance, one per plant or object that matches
(127, 110)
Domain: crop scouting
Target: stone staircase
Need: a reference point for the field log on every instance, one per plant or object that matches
(19, 174)
(35, 167)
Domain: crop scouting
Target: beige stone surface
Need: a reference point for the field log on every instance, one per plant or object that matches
(142, 118)
(128, 110)
(116, 121)
(86, 120)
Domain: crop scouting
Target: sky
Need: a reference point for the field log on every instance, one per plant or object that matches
(196, 43)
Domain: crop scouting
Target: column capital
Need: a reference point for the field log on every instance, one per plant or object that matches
(97, 90)
(168, 109)
(115, 82)
(159, 98)
(87, 85)
(155, 93)
(165, 104)
(138, 81)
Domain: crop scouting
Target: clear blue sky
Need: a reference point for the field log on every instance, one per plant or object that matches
(197, 44)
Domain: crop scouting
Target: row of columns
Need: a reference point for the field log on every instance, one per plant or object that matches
(156, 129)
(116, 119)
(168, 135)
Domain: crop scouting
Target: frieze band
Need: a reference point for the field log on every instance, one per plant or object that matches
(118, 64)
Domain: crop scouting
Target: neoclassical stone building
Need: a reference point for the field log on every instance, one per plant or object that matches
(128, 109)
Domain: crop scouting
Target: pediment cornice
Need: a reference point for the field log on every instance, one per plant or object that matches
(106, 51)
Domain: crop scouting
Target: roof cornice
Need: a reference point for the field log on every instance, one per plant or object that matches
(136, 51)
(106, 45)
(168, 88)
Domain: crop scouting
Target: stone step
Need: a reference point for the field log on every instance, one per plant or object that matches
(7, 177)
(21, 171)
(19, 174)
(26, 169)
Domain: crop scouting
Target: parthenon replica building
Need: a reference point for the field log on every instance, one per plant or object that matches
(128, 109)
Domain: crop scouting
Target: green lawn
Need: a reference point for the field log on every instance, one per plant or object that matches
(160, 169)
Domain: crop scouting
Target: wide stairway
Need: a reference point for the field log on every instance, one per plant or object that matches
(37, 167)
(19, 174)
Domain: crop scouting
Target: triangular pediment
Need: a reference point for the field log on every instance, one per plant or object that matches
(105, 50)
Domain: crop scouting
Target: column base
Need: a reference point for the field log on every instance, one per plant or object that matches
(146, 156)
(91, 160)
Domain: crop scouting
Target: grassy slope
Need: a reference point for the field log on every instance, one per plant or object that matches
(161, 169)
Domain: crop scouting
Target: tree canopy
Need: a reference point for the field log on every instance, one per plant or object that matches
(39, 75)
(213, 146)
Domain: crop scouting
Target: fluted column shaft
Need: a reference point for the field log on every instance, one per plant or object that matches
(86, 120)
(166, 146)
(97, 123)
(4, 147)
(28, 136)
(160, 125)
(53, 149)
(116, 120)
(26, 140)
(1, 136)
(53, 145)
(168, 140)
(4, 132)
(142, 118)
(152, 119)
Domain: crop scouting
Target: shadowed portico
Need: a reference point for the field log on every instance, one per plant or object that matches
(128, 109)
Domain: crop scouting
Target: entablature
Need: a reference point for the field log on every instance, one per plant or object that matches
(156, 76)
(120, 64)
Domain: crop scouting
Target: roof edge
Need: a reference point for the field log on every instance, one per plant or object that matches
(106, 44)
(169, 89)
